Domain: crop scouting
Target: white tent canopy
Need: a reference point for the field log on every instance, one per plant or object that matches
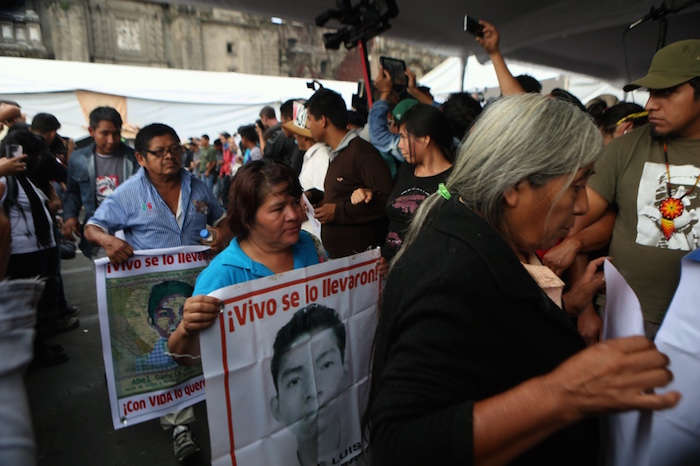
(445, 79)
(192, 102)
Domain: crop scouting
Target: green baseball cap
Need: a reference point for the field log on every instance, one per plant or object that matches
(672, 65)
(402, 107)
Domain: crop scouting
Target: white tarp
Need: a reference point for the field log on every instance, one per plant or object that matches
(192, 102)
(445, 79)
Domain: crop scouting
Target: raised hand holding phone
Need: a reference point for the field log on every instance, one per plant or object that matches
(397, 69)
(472, 26)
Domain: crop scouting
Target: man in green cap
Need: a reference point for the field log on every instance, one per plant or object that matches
(652, 174)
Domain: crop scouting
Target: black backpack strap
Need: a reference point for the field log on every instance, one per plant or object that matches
(11, 196)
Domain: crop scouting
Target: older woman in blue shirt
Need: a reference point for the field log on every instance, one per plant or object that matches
(265, 215)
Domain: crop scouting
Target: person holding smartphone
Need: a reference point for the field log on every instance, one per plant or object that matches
(33, 249)
(383, 136)
(489, 40)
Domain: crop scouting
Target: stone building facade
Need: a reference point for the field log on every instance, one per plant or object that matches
(175, 36)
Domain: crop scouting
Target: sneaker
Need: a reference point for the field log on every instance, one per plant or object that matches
(61, 324)
(183, 443)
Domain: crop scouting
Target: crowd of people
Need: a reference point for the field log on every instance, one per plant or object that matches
(492, 222)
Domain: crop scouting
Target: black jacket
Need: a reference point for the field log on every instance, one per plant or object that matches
(462, 321)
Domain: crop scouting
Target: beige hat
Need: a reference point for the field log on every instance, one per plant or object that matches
(297, 124)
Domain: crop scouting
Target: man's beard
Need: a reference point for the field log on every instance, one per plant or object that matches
(659, 136)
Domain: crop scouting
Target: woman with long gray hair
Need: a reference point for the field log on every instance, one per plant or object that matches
(475, 361)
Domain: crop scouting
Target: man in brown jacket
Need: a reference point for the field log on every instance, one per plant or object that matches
(354, 163)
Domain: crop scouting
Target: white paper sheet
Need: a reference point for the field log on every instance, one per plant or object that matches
(675, 437)
(626, 439)
(312, 225)
(670, 437)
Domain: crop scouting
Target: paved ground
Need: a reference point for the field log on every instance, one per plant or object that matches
(70, 406)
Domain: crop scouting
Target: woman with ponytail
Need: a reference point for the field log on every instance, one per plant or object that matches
(426, 144)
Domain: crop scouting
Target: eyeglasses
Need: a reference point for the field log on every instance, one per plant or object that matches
(174, 150)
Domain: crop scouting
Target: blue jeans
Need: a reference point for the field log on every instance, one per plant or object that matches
(17, 320)
(208, 180)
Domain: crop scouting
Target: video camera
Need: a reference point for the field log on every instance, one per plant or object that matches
(363, 21)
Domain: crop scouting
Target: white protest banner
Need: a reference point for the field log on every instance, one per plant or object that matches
(139, 304)
(287, 365)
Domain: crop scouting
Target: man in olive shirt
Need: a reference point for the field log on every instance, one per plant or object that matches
(652, 176)
(207, 162)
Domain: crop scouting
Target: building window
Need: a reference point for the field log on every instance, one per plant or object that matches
(21, 34)
(324, 66)
(128, 35)
(34, 33)
(229, 47)
(291, 42)
(7, 32)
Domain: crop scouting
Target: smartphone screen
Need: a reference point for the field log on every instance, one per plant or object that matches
(472, 26)
(396, 69)
(13, 150)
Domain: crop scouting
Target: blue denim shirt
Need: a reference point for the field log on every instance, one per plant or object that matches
(137, 208)
(379, 133)
(80, 186)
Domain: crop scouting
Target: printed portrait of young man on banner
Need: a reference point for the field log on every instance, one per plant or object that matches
(287, 366)
(140, 304)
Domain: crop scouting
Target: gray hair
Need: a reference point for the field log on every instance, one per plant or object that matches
(523, 137)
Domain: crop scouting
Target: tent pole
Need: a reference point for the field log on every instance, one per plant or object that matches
(365, 71)
(663, 26)
(463, 62)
